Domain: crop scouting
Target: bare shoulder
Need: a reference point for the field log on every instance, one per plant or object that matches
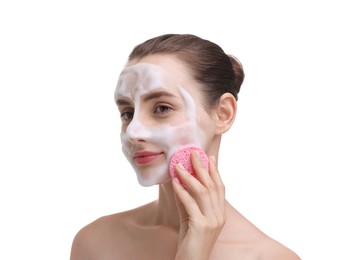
(103, 236)
(243, 240)
(89, 239)
(275, 250)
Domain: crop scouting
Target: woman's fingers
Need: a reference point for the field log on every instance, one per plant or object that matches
(207, 193)
(196, 190)
(202, 173)
(210, 179)
(188, 202)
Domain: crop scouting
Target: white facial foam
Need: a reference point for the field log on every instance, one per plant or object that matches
(138, 80)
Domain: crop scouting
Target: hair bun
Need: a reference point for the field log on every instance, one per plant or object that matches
(238, 72)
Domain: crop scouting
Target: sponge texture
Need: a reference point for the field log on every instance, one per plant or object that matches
(183, 156)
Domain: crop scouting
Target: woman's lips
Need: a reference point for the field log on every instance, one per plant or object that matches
(145, 157)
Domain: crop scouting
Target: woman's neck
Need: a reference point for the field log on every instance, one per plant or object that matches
(166, 209)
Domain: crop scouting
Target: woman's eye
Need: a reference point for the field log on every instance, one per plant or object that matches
(126, 116)
(162, 108)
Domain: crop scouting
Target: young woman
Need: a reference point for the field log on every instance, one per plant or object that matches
(175, 91)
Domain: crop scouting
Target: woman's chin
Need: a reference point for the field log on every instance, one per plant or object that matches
(152, 180)
(150, 176)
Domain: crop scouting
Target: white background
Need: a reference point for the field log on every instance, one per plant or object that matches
(61, 165)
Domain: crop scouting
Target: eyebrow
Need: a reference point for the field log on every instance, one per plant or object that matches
(157, 94)
(147, 97)
(122, 102)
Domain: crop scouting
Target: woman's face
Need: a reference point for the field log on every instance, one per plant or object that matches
(161, 111)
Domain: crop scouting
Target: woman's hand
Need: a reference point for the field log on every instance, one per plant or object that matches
(201, 209)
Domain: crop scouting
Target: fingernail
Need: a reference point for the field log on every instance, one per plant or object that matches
(176, 179)
(180, 166)
(197, 155)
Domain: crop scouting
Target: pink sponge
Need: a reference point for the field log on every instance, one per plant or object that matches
(183, 156)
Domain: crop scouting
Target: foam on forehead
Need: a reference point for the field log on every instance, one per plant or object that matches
(140, 78)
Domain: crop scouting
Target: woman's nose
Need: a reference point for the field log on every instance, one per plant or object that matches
(136, 131)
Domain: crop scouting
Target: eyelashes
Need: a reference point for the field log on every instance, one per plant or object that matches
(126, 116)
(160, 110)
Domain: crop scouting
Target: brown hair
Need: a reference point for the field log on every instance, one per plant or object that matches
(216, 71)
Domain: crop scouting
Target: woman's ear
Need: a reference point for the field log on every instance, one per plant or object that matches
(225, 113)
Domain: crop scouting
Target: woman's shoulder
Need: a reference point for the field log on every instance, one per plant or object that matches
(241, 237)
(276, 250)
(103, 233)
(115, 222)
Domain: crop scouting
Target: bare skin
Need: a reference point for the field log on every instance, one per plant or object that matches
(153, 232)
(143, 233)
(196, 222)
